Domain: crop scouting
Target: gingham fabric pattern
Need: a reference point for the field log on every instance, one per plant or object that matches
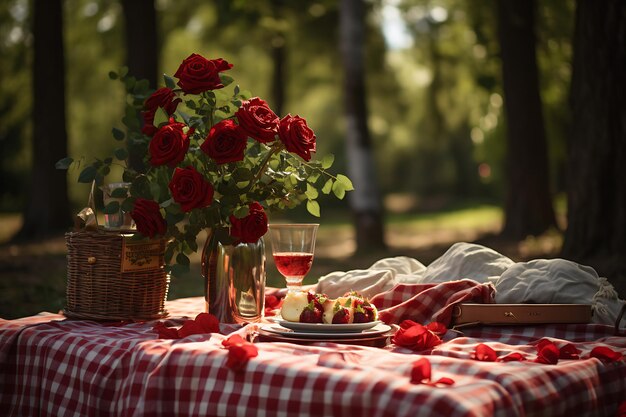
(424, 303)
(55, 367)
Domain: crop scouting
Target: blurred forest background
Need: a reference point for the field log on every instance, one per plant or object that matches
(489, 121)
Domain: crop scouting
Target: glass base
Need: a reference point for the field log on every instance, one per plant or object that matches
(294, 283)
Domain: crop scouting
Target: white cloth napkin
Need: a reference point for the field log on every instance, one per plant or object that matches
(552, 281)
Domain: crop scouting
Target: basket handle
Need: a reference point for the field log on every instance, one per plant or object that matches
(86, 218)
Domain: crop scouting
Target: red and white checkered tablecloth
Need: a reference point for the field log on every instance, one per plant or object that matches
(55, 367)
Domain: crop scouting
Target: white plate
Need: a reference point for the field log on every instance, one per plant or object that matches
(325, 328)
(379, 328)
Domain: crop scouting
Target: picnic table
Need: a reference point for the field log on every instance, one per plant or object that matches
(53, 366)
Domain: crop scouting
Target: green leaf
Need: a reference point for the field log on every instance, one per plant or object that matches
(128, 205)
(346, 182)
(121, 154)
(119, 193)
(313, 207)
(226, 79)
(241, 212)
(88, 174)
(169, 81)
(118, 134)
(64, 163)
(311, 192)
(155, 190)
(160, 117)
(313, 177)
(182, 259)
(113, 75)
(123, 72)
(339, 190)
(191, 104)
(112, 207)
(328, 186)
(327, 161)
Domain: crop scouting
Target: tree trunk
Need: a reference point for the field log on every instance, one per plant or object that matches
(279, 74)
(47, 209)
(528, 205)
(365, 199)
(141, 52)
(596, 232)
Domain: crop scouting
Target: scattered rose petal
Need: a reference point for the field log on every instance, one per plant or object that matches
(421, 374)
(239, 352)
(547, 353)
(408, 323)
(444, 381)
(208, 322)
(605, 354)
(485, 353)
(569, 351)
(436, 327)
(233, 340)
(165, 332)
(542, 343)
(415, 336)
(203, 323)
(512, 357)
(190, 327)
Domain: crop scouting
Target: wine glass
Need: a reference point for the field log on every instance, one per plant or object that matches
(293, 246)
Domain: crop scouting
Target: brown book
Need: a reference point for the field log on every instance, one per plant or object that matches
(466, 313)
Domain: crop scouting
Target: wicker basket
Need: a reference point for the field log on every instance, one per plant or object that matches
(113, 277)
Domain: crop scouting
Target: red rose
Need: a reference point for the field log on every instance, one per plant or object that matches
(148, 218)
(197, 74)
(252, 227)
(258, 120)
(226, 142)
(297, 137)
(190, 189)
(169, 145)
(163, 97)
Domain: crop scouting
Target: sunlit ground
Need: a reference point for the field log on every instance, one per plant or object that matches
(33, 275)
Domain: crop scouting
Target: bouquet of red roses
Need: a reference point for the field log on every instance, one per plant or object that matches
(213, 157)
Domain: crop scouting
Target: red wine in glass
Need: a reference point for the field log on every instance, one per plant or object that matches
(293, 264)
(293, 246)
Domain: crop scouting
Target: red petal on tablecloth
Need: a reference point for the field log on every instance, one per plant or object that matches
(547, 353)
(420, 371)
(569, 351)
(416, 337)
(485, 353)
(165, 332)
(208, 322)
(512, 357)
(605, 354)
(239, 352)
(424, 303)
